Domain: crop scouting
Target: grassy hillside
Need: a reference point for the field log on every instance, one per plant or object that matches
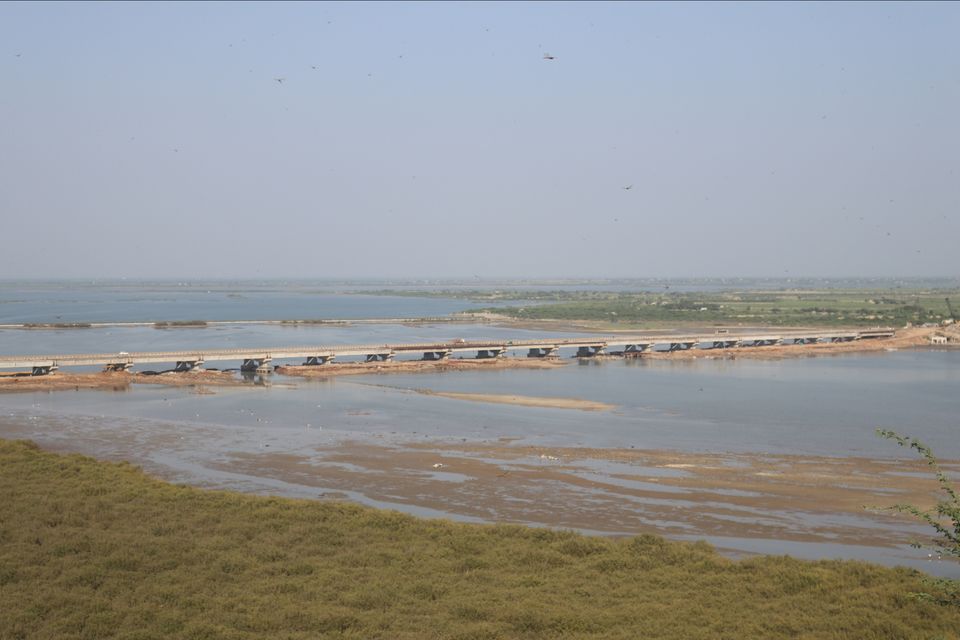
(97, 550)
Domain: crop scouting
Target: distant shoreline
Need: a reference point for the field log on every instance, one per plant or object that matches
(200, 324)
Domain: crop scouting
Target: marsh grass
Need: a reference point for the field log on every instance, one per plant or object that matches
(97, 550)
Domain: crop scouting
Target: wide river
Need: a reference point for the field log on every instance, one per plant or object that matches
(773, 456)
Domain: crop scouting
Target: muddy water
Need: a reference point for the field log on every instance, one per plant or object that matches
(756, 456)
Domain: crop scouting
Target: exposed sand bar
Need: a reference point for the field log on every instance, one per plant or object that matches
(525, 401)
(418, 366)
(114, 381)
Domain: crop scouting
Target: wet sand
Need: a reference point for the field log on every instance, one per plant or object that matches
(773, 499)
(795, 498)
(788, 498)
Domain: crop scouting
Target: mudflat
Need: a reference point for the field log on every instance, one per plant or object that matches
(798, 498)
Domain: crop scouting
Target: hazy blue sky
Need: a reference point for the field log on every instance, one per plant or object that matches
(435, 140)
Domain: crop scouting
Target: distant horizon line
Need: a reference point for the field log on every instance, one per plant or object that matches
(469, 279)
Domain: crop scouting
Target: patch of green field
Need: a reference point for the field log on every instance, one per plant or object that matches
(97, 550)
(752, 308)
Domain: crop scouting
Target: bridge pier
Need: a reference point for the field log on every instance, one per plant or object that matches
(870, 334)
(636, 348)
(380, 357)
(762, 342)
(590, 351)
(313, 361)
(257, 365)
(189, 365)
(725, 344)
(542, 352)
(437, 355)
(117, 366)
(44, 370)
(483, 354)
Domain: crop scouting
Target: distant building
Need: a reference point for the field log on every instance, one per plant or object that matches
(938, 339)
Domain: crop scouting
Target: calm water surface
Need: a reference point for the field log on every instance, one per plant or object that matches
(818, 406)
(812, 406)
(815, 406)
(152, 302)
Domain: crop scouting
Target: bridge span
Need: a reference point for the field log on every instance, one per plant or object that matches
(586, 347)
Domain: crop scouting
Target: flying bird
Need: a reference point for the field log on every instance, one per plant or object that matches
(547, 56)
(279, 80)
(628, 187)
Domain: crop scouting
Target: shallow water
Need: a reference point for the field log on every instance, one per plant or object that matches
(146, 338)
(66, 303)
(812, 406)
(825, 406)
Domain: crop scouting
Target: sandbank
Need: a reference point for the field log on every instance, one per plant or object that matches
(418, 366)
(525, 401)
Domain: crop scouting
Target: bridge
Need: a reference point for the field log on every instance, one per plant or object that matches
(586, 347)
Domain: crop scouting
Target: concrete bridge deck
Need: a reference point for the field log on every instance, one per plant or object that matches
(485, 348)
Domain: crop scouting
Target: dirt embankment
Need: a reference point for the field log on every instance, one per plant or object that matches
(417, 366)
(119, 381)
(112, 381)
(904, 339)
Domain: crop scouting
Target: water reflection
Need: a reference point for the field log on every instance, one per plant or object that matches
(255, 378)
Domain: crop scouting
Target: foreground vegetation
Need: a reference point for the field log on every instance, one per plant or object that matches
(774, 308)
(97, 550)
(943, 518)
